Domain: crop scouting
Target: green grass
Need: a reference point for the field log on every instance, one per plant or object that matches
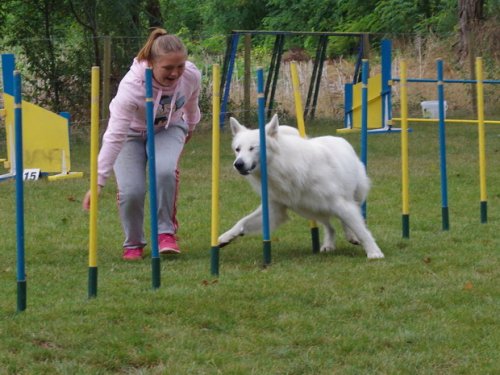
(431, 307)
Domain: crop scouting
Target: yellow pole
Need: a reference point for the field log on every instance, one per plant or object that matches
(94, 148)
(302, 130)
(404, 151)
(215, 168)
(298, 99)
(481, 136)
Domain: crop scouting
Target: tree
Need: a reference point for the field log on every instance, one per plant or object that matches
(85, 13)
(36, 27)
(470, 18)
(153, 12)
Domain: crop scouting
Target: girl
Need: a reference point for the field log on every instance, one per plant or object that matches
(176, 87)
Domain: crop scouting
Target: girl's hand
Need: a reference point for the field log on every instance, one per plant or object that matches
(188, 136)
(86, 199)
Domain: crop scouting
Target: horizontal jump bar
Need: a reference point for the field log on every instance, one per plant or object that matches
(259, 32)
(429, 80)
(459, 121)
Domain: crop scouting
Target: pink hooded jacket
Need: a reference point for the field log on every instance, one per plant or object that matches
(128, 110)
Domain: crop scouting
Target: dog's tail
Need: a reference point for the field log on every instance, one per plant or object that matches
(362, 188)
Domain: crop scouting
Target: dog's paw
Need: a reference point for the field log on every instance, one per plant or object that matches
(222, 244)
(375, 255)
(325, 248)
(354, 241)
(226, 238)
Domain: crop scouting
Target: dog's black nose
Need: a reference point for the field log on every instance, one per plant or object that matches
(239, 165)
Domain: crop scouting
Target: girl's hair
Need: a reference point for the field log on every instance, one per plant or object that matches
(160, 43)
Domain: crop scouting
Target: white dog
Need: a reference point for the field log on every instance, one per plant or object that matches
(318, 178)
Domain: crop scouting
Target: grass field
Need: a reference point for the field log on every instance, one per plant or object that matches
(430, 307)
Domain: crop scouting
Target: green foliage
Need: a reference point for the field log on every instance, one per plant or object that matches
(222, 16)
(57, 41)
(38, 29)
(394, 16)
(302, 15)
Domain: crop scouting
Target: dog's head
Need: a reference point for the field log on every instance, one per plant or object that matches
(246, 144)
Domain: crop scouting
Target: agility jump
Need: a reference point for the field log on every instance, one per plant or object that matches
(45, 137)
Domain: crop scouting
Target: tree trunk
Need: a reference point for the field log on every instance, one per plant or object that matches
(153, 12)
(471, 16)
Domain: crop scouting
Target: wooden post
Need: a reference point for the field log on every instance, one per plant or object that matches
(106, 75)
(247, 79)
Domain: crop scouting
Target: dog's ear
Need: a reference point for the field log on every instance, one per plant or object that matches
(235, 126)
(272, 126)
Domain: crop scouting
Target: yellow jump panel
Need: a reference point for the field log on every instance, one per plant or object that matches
(45, 137)
(374, 103)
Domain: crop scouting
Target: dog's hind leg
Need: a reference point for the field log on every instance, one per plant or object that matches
(252, 223)
(350, 214)
(328, 238)
(349, 235)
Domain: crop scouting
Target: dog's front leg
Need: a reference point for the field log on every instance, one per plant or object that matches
(249, 224)
(253, 223)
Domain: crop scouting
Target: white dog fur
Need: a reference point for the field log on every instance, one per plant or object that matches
(318, 178)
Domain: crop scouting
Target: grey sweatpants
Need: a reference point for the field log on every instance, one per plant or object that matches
(131, 175)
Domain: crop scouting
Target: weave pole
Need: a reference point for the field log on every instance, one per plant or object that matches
(482, 140)
(214, 250)
(405, 184)
(364, 119)
(302, 130)
(442, 147)
(94, 192)
(18, 126)
(266, 236)
(153, 203)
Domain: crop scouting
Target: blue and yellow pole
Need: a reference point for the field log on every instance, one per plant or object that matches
(302, 130)
(364, 119)
(404, 151)
(94, 192)
(214, 250)
(18, 126)
(153, 205)
(442, 146)
(266, 235)
(482, 140)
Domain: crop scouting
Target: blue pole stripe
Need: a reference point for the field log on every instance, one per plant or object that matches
(364, 120)
(18, 122)
(8, 66)
(263, 155)
(151, 163)
(442, 142)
